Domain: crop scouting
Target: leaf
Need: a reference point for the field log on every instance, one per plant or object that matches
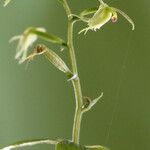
(96, 100)
(60, 145)
(29, 143)
(49, 37)
(97, 147)
(68, 145)
(90, 103)
(88, 11)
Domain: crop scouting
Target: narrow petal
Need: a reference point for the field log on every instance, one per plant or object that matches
(125, 16)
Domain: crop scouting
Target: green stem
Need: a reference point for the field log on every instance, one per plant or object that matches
(76, 81)
(76, 85)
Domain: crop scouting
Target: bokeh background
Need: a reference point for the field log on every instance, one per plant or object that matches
(38, 102)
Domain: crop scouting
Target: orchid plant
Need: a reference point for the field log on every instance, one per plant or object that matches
(102, 14)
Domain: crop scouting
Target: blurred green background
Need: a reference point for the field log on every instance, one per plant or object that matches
(39, 102)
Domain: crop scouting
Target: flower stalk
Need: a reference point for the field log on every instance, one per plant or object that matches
(76, 81)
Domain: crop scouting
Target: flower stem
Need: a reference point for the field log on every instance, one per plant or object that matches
(76, 85)
(76, 81)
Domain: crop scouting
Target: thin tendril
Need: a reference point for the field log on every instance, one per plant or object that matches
(116, 104)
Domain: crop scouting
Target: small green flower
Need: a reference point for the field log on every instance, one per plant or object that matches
(25, 41)
(103, 15)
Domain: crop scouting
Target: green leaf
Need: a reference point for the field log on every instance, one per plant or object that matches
(88, 11)
(96, 147)
(49, 37)
(29, 143)
(90, 103)
(68, 145)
